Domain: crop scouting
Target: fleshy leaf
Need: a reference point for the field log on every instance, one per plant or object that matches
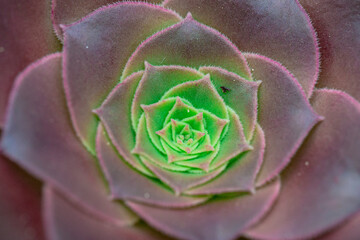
(337, 25)
(155, 82)
(180, 181)
(105, 35)
(20, 204)
(218, 219)
(38, 136)
(233, 143)
(145, 149)
(237, 93)
(69, 11)
(240, 173)
(348, 230)
(202, 161)
(284, 114)
(196, 122)
(324, 175)
(173, 153)
(156, 115)
(66, 220)
(125, 183)
(188, 43)
(201, 94)
(180, 111)
(279, 29)
(114, 113)
(26, 35)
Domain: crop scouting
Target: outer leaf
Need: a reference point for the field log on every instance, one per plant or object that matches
(38, 136)
(279, 29)
(69, 11)
(188, 43)
(321, 186)
(125, 183)
(104, 35)
(66, 220)
(337, 25)
(349, 230)
(26, 35)
(20, 204)
(240, 173)
(219, 219)
(114, 114)
(238, 94)
(285, 114)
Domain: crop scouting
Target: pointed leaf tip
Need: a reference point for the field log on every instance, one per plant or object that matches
(189, 17)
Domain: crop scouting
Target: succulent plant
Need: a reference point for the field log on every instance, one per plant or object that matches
(185, 119)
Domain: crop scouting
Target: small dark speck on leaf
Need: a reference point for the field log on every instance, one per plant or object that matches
(224, 89)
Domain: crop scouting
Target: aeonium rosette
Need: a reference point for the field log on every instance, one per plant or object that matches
(186, 130)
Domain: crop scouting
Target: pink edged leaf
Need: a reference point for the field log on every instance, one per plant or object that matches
(348, 230)
(181, 181)
(148, 152)
(188, 43)
(26, 35)
(321, 185)
(279, 29)
(20, 204)
(66, 220)
(232, 144)
(337, 25)
(38, 135)
(202, 95)
(68, 11)
(237, 93)
(126, 183)
(201, 162)
(284, 114)
(240, 173)
(95, 52)
(156, 115)
(219, 219)
(115, 113)
(155, 82)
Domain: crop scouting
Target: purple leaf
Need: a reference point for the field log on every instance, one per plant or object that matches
(240, 174)
(126, 183)
(337, 25)
(285, 114)
(348, 230)
(278, 29)
(321, 186)
(188, 43)
(20, 204)
(238, 93)
(26, 35)
(66, 220)
(38, 136)
(115, 110)
(219, 219)
(68, 11)
(95, 52)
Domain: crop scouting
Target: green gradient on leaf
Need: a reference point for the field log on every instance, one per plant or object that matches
(201, 94)
(155, 82)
